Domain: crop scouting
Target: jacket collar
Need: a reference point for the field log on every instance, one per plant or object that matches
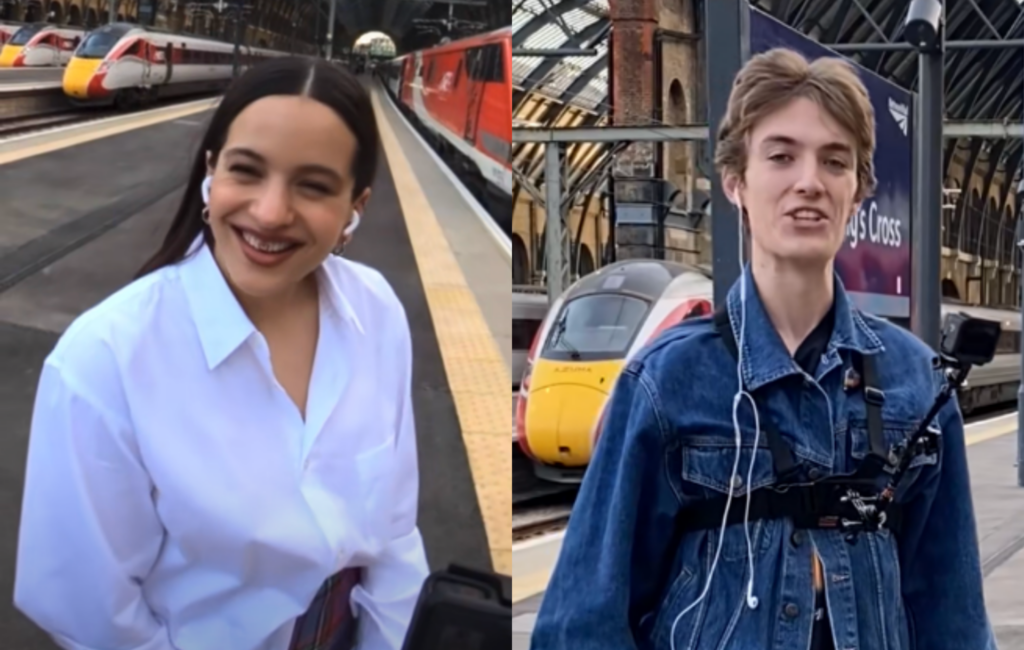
(764, 355)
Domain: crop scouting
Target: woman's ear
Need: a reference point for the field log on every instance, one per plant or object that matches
(211, 163)
(359, 204)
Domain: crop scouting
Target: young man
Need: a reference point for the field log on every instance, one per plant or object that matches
(644, 563)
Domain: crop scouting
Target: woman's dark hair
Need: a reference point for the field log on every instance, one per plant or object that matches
(325, 82)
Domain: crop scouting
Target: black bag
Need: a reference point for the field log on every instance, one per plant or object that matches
(462, 609)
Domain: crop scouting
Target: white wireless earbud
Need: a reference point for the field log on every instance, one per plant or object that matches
(351, 227)
(207, 182)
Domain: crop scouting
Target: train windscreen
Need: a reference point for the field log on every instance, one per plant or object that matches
(25, 34)
(100, 41)
(596, 326)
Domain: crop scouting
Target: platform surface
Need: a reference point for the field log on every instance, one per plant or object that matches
(81, 220)
(36, 76)
(999, 508)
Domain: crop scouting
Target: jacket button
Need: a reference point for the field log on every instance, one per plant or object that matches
(791, 610)
(797, 538)
(737, 482)
(814, 473)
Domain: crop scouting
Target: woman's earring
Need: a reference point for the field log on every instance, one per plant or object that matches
(338, 250)
(206, 216)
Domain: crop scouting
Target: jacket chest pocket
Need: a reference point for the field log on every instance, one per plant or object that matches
(710, 468)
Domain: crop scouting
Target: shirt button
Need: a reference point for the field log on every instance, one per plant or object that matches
(798, 537)
(791, 610)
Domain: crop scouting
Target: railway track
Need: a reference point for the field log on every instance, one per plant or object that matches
(535, 522)
(23, 125)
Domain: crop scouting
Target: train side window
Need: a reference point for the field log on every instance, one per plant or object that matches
(458, 74)
(1009, 342)
(134, 50)
(485, 63)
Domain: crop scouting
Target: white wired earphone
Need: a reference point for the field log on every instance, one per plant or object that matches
(349, 229)
(741, 393)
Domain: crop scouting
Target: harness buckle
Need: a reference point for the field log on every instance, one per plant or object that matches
(874, 396)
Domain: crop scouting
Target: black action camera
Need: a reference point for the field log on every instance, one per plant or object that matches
(462, 609)
(969, 341)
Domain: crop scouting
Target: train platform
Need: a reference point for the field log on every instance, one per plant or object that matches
(86, 205)
(999, 505)
(31, 76)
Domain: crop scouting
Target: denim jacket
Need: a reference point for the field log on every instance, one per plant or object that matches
(668, 440)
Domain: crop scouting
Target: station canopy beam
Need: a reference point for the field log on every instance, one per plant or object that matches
(951, 129)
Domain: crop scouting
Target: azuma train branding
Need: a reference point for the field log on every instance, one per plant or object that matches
(868, 224)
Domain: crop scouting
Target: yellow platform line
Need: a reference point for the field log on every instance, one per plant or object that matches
(48, 141)
(477, 374)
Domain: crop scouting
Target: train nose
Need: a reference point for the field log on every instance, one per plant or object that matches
(78, 76)
(559, 421)
(9, 56)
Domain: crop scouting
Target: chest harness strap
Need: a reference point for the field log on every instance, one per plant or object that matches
(849, 503)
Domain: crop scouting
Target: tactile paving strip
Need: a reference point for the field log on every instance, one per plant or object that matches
(477, 374)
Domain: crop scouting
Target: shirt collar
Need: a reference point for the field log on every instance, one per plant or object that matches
(222, 324)
(765, 357)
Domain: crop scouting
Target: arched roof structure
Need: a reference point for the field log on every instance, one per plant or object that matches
(982, 86)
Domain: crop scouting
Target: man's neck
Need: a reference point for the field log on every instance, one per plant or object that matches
(795, 299)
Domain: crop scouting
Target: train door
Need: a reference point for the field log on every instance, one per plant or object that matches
(169, 59)
(484, 65)
(475, 90)
(417, 86)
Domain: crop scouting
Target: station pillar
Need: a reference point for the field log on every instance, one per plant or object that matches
(633, 96)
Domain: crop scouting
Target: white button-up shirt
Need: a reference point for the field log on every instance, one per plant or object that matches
(176, 500)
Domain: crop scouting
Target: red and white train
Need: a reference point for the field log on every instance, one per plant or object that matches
(460, 93)
(130, 65)
(40, 45)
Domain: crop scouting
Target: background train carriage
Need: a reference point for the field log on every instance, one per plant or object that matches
(129, 65)
(41, 45)
(603, 319)
(460, 94)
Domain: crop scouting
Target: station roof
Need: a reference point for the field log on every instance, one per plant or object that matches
(417, 24)
(981, 84)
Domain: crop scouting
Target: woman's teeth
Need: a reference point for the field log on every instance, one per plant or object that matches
(265, 246)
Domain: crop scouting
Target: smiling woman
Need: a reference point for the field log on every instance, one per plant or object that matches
(223, 453)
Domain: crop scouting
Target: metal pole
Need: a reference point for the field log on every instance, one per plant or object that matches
(901, 46)
(1020, 386)
(331, 16)
(113, 11)
(316, 40)
(925, 233)
(729, 21)
(553, 220)
(237, 63)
